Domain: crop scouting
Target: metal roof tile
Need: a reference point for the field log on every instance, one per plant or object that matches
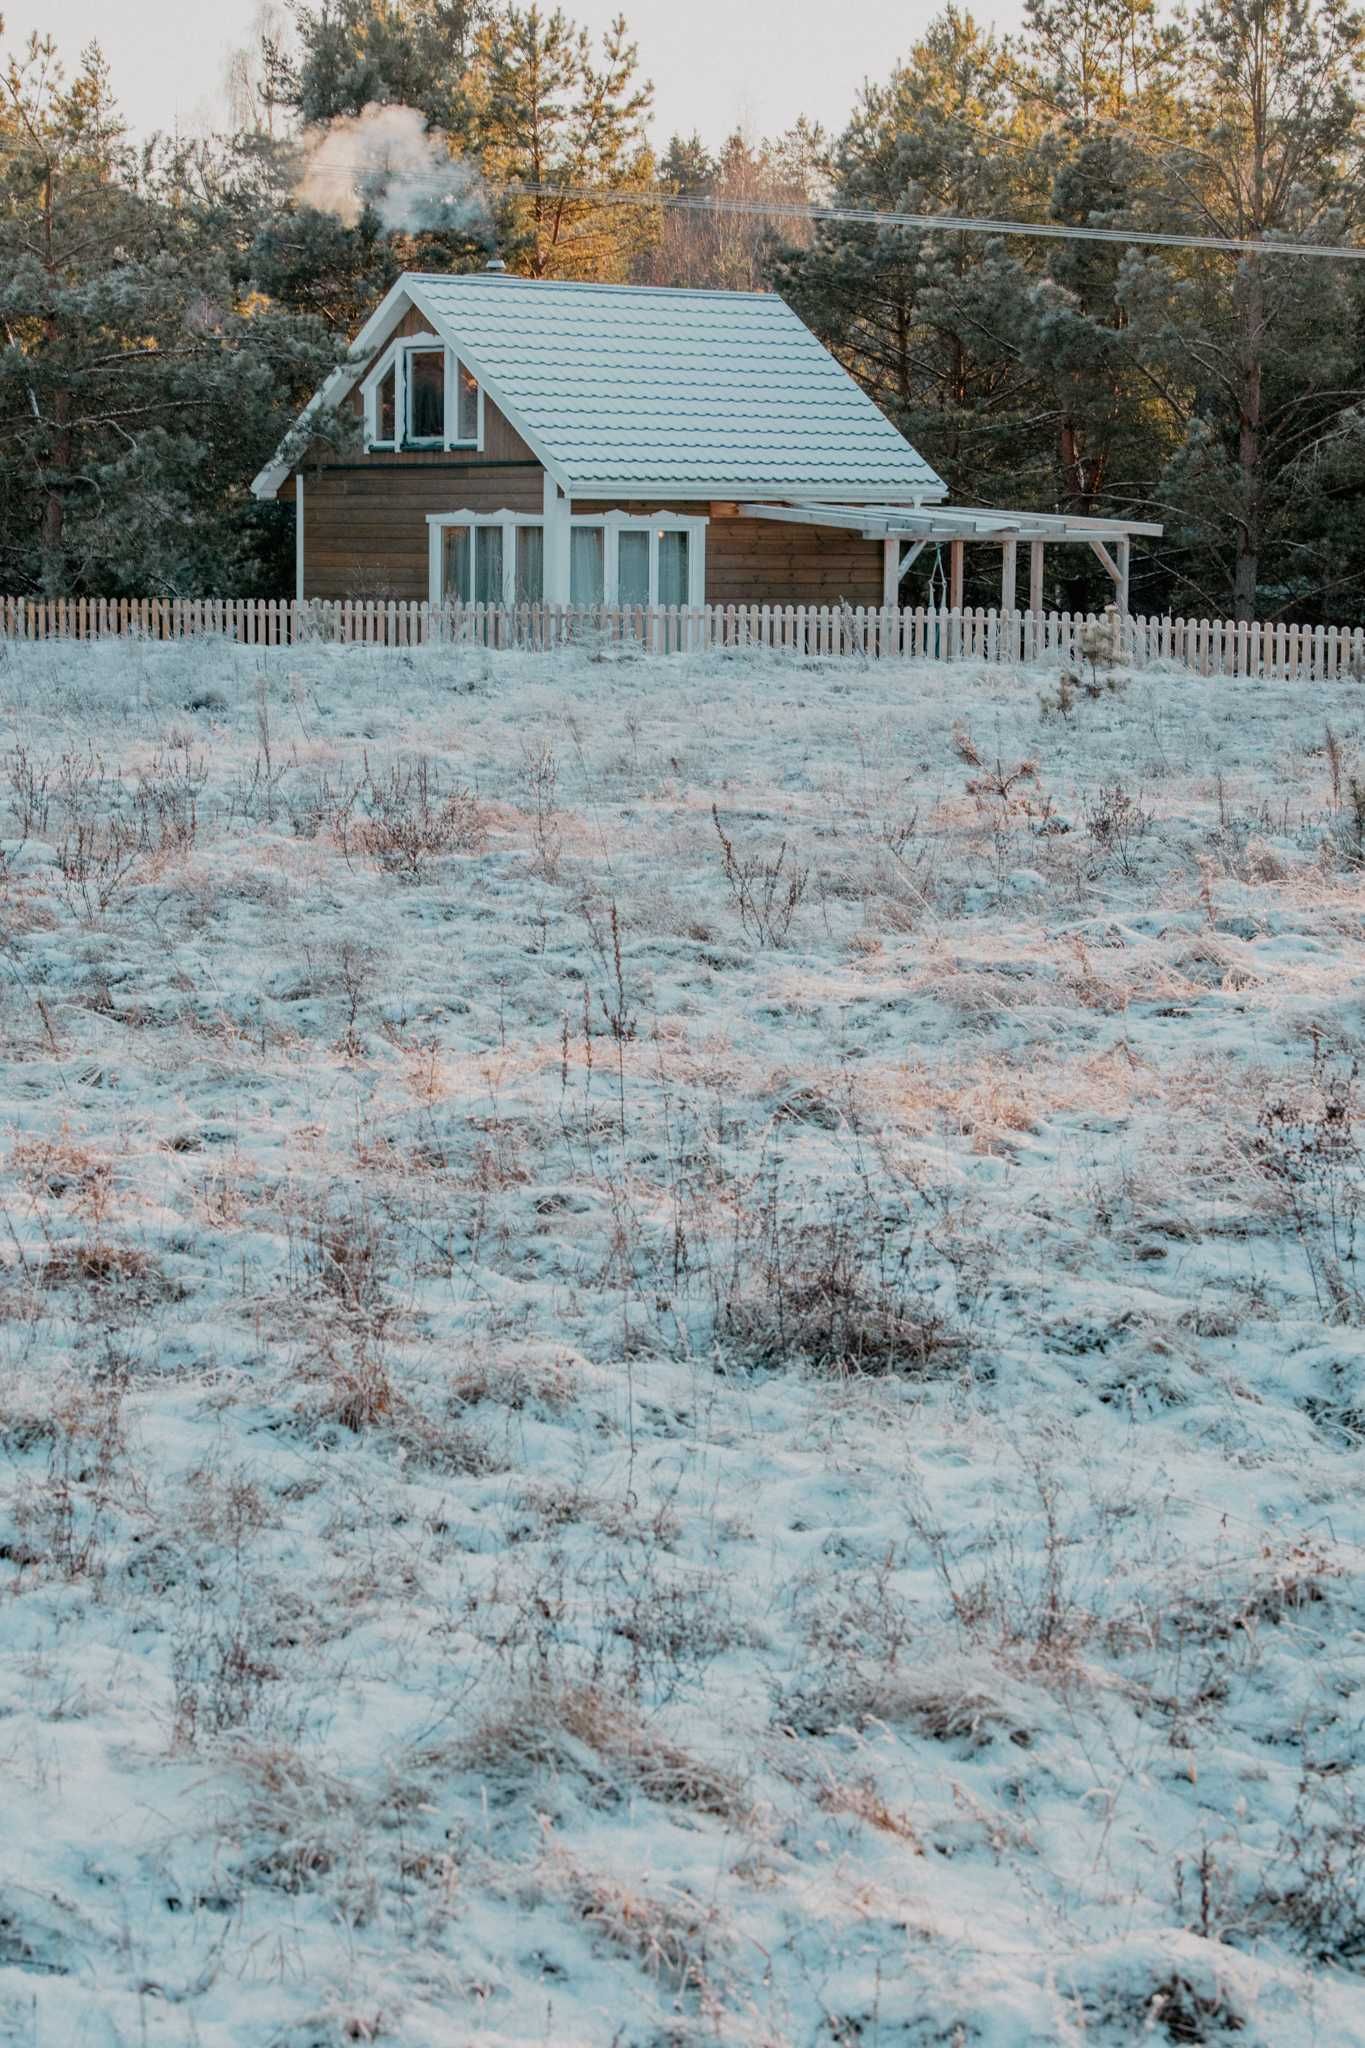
(636, 383)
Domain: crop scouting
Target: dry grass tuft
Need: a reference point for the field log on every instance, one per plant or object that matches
(606, 1739)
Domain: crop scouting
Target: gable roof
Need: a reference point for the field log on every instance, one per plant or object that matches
(642, 387)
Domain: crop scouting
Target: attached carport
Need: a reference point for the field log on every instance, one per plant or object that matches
(906, 531)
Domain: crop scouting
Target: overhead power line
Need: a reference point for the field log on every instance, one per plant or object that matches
(867, 216)
(944, 223)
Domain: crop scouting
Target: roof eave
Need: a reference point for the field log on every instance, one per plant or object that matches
(729, 488)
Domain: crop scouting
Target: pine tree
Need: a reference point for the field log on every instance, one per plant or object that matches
(1095, 83)
(927, 320)
(550, 116)
(139, 386)
(356, 53)
(1274, 147)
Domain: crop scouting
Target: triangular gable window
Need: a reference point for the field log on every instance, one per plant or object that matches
(420, 395)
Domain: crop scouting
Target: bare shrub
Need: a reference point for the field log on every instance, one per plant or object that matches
(541, 768)
(61, 1166)
(766, 893)
(360, 1389)
(514, 1382)
(347, 1249)
(1306, 1147)
(1001, 782)
(1349, 833)
(674, 1938)
(861, 1798)
(166, 800)
(1117, 824)
(100, 1264)
(220, 1669)
(845, 1293)
(1313, 1885)
(408, 820)
(98, 864)
(63, 1519)
(300, 1829)
(30, 785)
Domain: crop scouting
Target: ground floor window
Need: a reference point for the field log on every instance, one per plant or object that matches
(472, 570)
(615, 558)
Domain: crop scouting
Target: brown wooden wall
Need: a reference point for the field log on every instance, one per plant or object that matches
(365, 528)
(761, 561)
(365, 535)
(765, 561)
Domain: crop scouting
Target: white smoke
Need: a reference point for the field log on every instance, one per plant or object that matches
(384, 158)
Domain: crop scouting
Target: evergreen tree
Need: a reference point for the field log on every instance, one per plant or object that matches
(929, 321)
(1266, 348)
(139, 387)
(550, 116)
(687, 165)
(1095, 83)
(352, 54)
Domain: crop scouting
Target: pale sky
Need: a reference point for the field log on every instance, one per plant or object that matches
(716, 64)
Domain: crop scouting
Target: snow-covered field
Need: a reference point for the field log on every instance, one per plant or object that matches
(607, 1442)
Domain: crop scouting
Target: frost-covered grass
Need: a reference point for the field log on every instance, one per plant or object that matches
(628, 1426)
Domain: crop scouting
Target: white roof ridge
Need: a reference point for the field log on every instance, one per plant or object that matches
(502, 278)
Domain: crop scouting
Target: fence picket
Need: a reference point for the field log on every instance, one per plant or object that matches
(1209, 647)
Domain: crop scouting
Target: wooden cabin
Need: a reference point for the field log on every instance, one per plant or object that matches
(522, 440)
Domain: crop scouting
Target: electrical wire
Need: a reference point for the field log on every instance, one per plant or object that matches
(943, 223)
(866, 216)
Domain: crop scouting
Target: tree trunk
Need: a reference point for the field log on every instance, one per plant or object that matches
(54, 503)
(1249, 446)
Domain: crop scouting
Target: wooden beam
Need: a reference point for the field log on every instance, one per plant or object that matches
(1124, 551)
(1035, 575)
(891, 579)
(910, 557)
(957, 563)
(1009, 559)
(298, 536)
(1098, 548)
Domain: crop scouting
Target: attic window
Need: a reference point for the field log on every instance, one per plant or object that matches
(423, 393)
(386, 411)
(467, 406)
(426, 386)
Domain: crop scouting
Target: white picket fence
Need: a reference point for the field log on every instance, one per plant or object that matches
(1057, 639)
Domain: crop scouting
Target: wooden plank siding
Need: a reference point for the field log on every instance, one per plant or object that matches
(365, 529)
(759, 561)
(365, 535)
(756, 561)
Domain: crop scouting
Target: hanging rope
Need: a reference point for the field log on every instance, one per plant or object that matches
(938, 582)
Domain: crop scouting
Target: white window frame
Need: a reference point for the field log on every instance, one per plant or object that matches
(437, 522)
(613, 525)
(395, 358)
